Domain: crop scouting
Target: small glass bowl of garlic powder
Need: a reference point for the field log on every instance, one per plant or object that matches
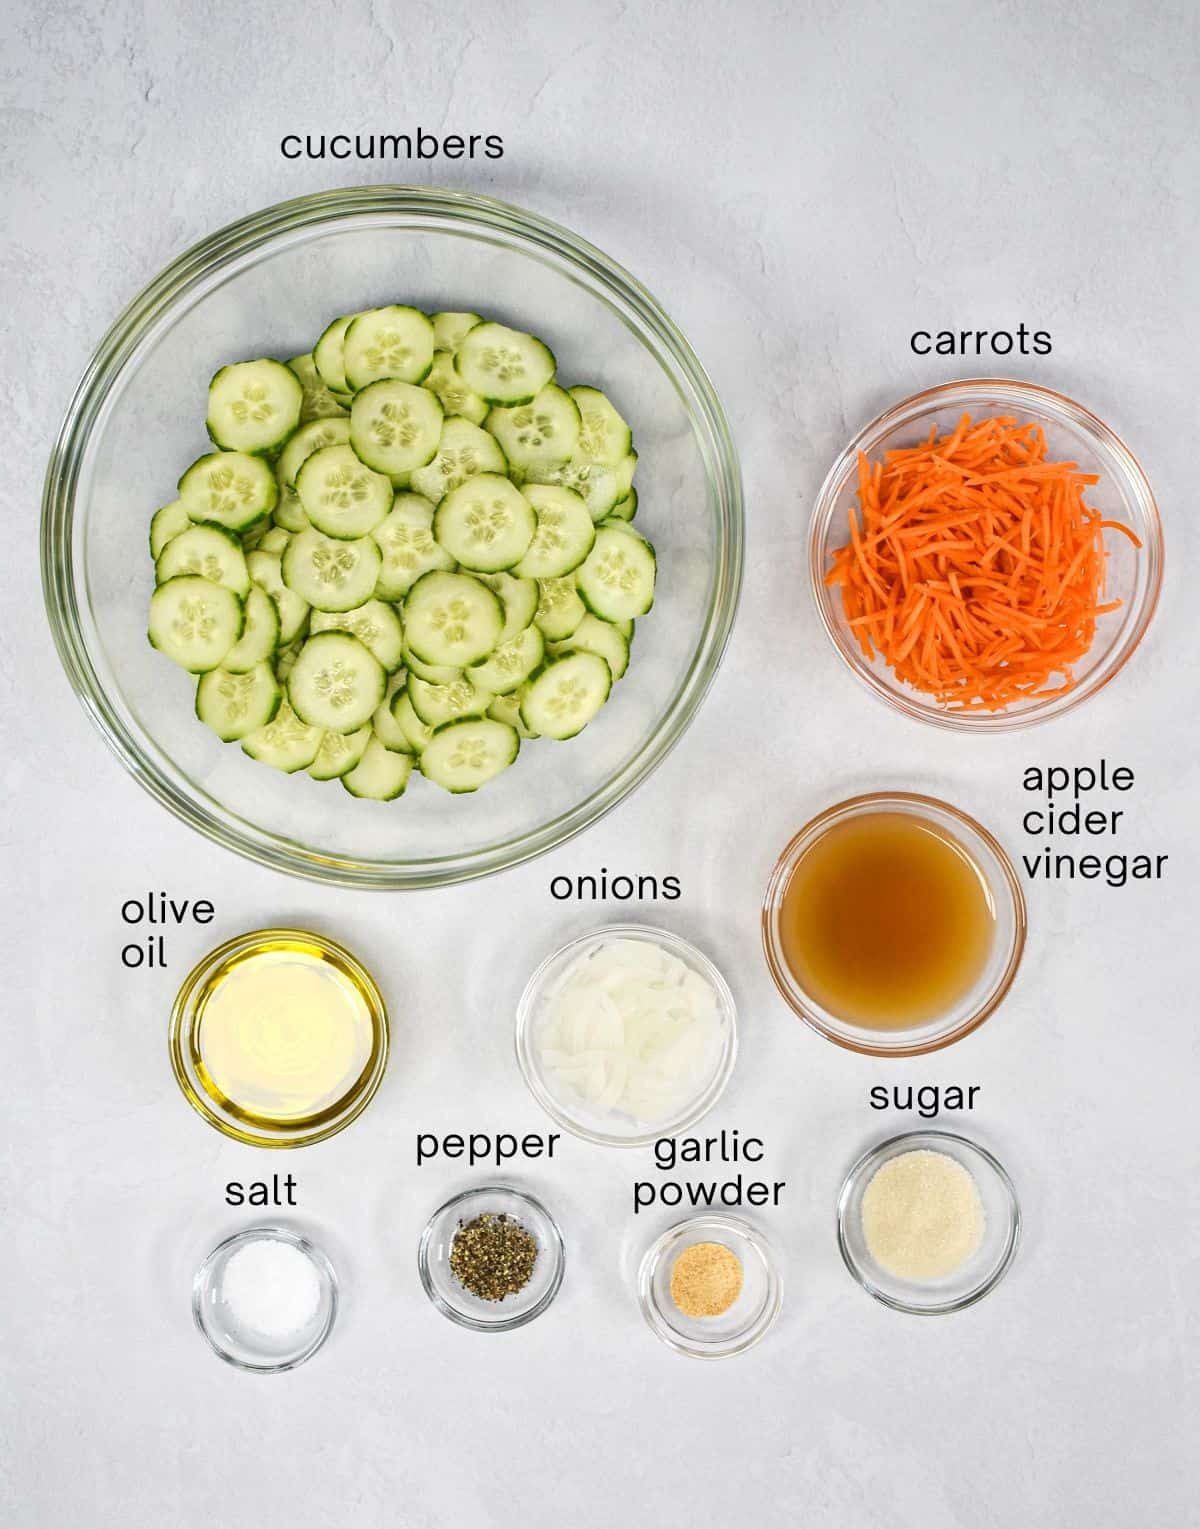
(928, 1222)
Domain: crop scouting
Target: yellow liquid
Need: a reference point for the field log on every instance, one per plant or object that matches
(283, 1034)
(887, 921)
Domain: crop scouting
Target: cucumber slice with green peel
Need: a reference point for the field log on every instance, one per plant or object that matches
(511, 664)
(319, 402)
(464, 450)
(338, 753)
(604, 437)
(564, 536)
(433, 674)
(455, 397)
(625, 509)
(451, 328)
(409, 723)
(260, 634)
(249, 540)
(393, 342)
(234, 705)
(395, 426)
(540, 434)
(169, 522)
(486, 524)
(375, 624)
(383, 721)
(437, 704)
(274, 541)
(229, 488)
(285, 743)
(601, 637)
(265, 569)
(519, 597)
(507, 708)
(451, 619)
(563, 698)
(341, 496)
(210, 553)
(559, 609)
(195, 622)
(597, 486)
(311, 437)
(331, 574)
(285, 660)
(405, 540)
(617, 580)
(329, 357)
(288, 514)
(462, 756)
(381, 775)
(625, 470)
(502, 365)
(335, 683)
(253, 406)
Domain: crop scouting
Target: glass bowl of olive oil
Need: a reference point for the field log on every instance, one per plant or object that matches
(893, 924)
(279, 1038)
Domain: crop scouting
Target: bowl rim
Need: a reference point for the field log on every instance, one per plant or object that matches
(1012, 1238)
(910, 704)
(497, 222)
(523, 1039)
(855, 806)
(748, 1235)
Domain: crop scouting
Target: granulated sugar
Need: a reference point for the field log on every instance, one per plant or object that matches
(922, 1216)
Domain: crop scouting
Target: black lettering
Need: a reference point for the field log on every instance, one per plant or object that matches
(670, 1193)
(643, 1195)
(921, 334)
(565, 883)
(671, 888)
(928, 1096)
(452, 146)
(202, 911)
(1122, 778)
(1041, 343)
(334, 151)
(757, 1193)
(748, 1154)
(665, 1148)
(944, 345)
(132, 956)
(619, 882)
(647, 881)
(427, 1146)
(427, 145)
(494, 146)
(1032, 778)
(283, 146)
(474, 139)
(997, 336)
(317, 153)
(234, 1194)
(137, 915)
(879, 1097)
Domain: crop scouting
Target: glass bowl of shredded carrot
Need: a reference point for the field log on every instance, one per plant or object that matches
(986, 554)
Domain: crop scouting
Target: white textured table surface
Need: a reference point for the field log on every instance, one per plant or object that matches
(802, 186)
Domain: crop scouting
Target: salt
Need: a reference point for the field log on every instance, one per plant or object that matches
(271, 1288)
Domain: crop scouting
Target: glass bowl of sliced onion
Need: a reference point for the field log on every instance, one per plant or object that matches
(627, 1034)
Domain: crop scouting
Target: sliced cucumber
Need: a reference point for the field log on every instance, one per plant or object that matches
(375, 624)
(313, 436)
(507, 708)
(566, 695)
(599, 487)
(285, 743)
(329, 356)
(625, 509)
(625, 470)
(617, 580)
(229, 488)
(519, 597)
(595, 636)
(450, 328)
(260, 634)
(273, 541)
(195, 622)
(604, 437)
(166, 523)
(405, 540)
(486, 524)
(332, 575)
(381, 775)
(564, 536)
(541, 434)
(455, 397)
(288, 514)
(338, 753)
(234, 705)
(409, 723)
(266, 571)
(559, 610)
(511, 664)
(462, 756)
(253, 406)
(451, 619)
(210, 553)
(319, 402)
(463, 451)
(341, 496)
(285, 661)
(502, 365)
(335, 683)
(395, 426)
(383, 721)
(436, 704)
(387, 342)
(433, 674)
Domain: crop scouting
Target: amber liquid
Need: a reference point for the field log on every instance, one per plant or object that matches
(886, 921)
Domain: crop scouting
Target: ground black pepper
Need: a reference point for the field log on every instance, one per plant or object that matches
(493, 1256)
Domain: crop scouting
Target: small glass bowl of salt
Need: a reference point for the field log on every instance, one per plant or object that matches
(265, 1299)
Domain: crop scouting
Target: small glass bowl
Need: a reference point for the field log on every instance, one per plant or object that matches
(242, 1347)
(457, 1303)
(747, 1320)
(1073, 434)
(573, 1114)
(980, 1274)
(185, 1055)
(1004, 891)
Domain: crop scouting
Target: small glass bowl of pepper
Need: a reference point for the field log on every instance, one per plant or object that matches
(491, 1259)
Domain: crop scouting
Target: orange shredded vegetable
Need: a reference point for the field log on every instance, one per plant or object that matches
(974, 567)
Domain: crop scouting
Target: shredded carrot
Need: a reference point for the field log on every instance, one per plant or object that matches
(974, 568)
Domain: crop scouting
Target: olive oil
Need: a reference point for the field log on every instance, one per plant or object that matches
(886, 921)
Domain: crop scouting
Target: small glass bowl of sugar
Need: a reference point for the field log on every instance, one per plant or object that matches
(265, 1299)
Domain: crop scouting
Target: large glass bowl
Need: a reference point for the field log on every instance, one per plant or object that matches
(267, 286)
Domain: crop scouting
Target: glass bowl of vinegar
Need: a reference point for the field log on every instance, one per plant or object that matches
(893, 924)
